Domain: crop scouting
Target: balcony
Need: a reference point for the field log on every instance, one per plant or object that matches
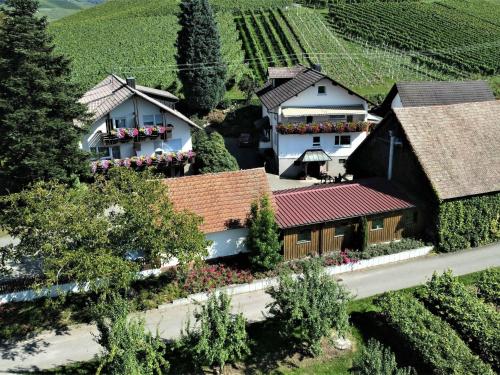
(122, 135)
(325, 127)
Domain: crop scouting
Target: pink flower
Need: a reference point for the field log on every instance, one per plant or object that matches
(138, 162)
(121, 133)
(162, 129)
(94, 166)
(149, 161)
(105, 164)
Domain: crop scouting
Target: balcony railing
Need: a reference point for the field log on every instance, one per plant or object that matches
(142, 162)
(325, 127)
(137, 134)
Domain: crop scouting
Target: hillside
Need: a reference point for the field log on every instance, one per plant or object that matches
(366, 46)
(56, 9)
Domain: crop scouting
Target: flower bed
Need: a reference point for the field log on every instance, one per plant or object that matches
(138, 162)
(201, 279)
(325, 127)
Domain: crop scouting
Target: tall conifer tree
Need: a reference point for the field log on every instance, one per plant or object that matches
(37, 103)
(202, 70)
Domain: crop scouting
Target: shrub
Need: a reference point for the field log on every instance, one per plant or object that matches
(488, 285)
(128, 348)
(391, 248)
(433, 340)
(220, 337)
(475, 321)
(212, 155)
(376, 359)
(263, 236)
(308, 307)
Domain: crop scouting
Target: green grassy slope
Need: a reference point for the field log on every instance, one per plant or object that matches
(356, 44)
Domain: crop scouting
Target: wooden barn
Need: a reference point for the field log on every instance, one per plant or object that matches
(324, 218)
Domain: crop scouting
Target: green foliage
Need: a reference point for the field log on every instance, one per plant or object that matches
(469, 222)
(212, 155)
(37, 104)
(263, 236)
(202, 69)
(376, 359)
(476, 322)
(128, 348)
(309, 306)
(488, 286)
(363, 234)
(406, 26)
(84, 233)
(248, 84)
(392, 247)
(433, 340)
(220, 338)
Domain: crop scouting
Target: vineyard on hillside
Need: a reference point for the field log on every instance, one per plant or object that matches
(452, 37)
(366, 46)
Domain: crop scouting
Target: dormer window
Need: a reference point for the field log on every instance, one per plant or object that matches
(321, 90)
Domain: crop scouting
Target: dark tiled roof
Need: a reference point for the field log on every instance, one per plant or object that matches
(324, 203)
(457, 145)
(303, 80)
(421, 94)
(222, 199)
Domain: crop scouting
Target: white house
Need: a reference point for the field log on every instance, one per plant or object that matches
(133, 125)
(311, 122)
(223, 200)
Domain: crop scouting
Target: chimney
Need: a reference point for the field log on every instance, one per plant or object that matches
(316, 67)
(131, 82)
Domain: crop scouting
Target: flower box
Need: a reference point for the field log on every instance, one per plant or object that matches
(324, 127)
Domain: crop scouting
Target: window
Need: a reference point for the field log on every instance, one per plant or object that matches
(316, 141)
(377, 224)
(342, 161)
(304, 236)
(115, 150)
(309, 119)
(100, 152)
(343, 140)
(321, 90)
(120, 122)
(151, 120)
(350, 118)
(338, 118)
(340, 231)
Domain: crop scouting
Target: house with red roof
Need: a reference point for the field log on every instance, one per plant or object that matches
(324, 218)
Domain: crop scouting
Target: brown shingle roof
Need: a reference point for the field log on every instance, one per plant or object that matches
(457, 145)
(325, 203)
(222, 199)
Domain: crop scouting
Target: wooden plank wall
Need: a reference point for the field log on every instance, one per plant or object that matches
(396, 226)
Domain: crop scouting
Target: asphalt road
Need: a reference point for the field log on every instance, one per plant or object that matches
(50, 349)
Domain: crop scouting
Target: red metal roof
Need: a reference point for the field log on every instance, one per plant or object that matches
(324, 203)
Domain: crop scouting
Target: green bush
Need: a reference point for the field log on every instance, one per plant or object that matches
(212, 155)
(476, 322)
(376, 359)
(488, 285)
(435, 342)
(220, 337)
(389, 248)
(310, 306)
(469, 222)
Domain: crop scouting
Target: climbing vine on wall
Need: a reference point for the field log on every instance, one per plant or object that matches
(469, 222)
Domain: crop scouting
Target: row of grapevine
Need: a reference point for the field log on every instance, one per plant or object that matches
(247, 5)
(436, 344)
(485, 10)
(476, 322)
(449, 36)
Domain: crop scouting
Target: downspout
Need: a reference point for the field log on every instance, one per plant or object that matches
(393, 141)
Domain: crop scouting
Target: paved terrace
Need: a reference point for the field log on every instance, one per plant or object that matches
(49, 349)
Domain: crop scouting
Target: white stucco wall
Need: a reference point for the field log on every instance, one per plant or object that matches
(226, 243)
(181, 133)
(294, 145)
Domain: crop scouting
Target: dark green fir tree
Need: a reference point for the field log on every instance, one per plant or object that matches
(38, 104)
(201, 67)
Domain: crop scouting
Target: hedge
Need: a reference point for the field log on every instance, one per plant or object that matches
(476, 322)
(468, 222)
(432, 339)
(488, 286)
